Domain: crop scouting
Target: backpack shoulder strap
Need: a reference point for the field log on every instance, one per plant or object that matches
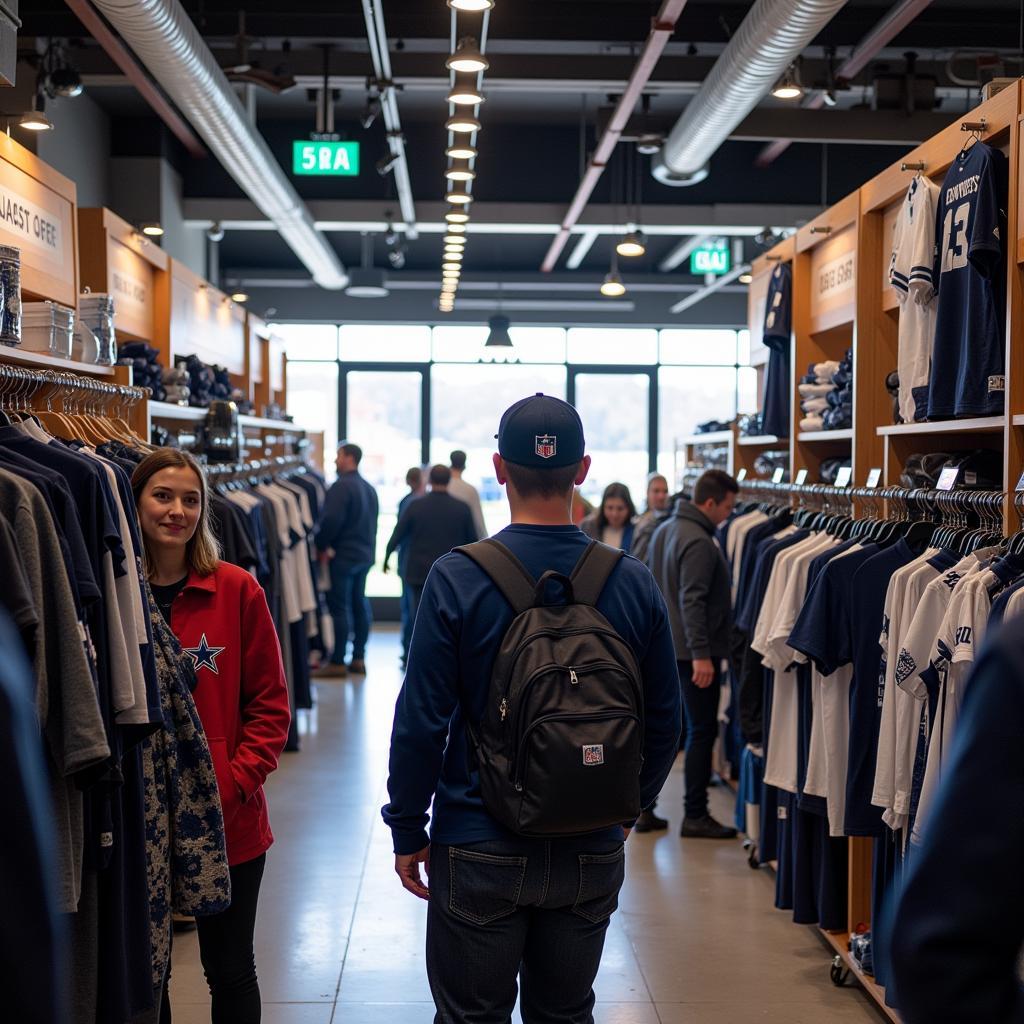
(592, 571)
(506, 572)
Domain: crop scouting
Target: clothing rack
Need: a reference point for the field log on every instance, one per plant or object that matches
(219, 472)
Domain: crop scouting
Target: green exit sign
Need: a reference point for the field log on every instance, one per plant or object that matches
(712, 259)
(326, 159)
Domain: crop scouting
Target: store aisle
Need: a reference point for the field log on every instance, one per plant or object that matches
(695, 940)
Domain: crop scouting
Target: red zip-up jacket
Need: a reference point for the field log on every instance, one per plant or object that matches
(223, 622)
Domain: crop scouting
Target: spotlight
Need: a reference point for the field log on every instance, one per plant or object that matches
(452, 238)
(612, 287)
(152, 228)
(460, 171)
(64, 81)
(649, 145)
(396, 257)
(465, 92)
(467, 57)
(386, 163)
(239, 297)
(632, 244)
(456, 229)
(215, 232)
(460, 151)
(371, 111)
(35, 120)
(459, 196)
(471, 6)
(456, 216)
(451, 266)
(453, 255)
(745, 278)
(462, 124)
(788, 87)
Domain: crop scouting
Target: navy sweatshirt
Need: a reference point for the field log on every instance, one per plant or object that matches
(461, 621)
(348, 523)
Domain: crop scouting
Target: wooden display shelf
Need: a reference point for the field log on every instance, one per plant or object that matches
(44, 361)
(826, 435)
(840, 942)
(761, 440)
(978, 425)
(713, 437)
(265, 424)
(1018, 420)
(170, 411)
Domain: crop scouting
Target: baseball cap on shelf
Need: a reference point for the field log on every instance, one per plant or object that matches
(541, 431)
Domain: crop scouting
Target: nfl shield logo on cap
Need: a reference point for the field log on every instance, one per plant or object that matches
(546, 445)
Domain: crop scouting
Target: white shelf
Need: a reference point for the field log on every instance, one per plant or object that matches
(761, 440)
(170, 411)
(265, 424)
(714, 437)
(979, 425)
(44, 361)
(826, 435)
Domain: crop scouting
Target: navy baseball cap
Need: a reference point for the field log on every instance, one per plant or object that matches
(541, 432)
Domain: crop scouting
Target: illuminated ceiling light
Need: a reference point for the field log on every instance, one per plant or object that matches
(153, 229)
(788, 87)
(239, 297)
(456, 229)
(460, 171)
(465, 92)
(462, 124)
(746, 278)
(450, 266)
(453, 255)
(631, 244)
(459, 196)
(454, 238)
(35, 121)
(612, 286)
(467, 57)
(455, 246)
(456, 216)
(471, 6)
(461, 151)
(498, 336)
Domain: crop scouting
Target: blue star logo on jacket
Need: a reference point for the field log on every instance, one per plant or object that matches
(204, 656)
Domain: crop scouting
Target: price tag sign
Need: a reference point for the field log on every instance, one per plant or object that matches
(947, 478)
(741, 476)
(843, 477)
(778, 475)
(873, 477)
(801, 476)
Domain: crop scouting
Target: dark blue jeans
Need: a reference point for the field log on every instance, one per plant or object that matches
(350, 610)
(701, 716)
(528, 908)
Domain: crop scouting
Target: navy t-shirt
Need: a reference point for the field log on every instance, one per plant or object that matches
(460, 624)
(778, 394)
(968, 361)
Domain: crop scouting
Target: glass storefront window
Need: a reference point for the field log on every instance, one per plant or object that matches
(308, 341)
(313, 402)
(611, 345)
(459, 344)
(466, 404)
(538, 344)
(384, 420)
(698, 347)
(392, 343)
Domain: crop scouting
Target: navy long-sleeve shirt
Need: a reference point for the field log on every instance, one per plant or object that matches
(461, 621)
(956, 933)
(348, 523)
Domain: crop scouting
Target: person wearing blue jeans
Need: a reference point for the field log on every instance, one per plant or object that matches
(700, 706)
(346, 536)
(417, 488)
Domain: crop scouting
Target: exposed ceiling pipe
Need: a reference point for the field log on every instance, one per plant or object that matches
(898, 18)
(769, 39)
(661, 32)
(681, 252)
(373, 12)
(716, 286)
(168, 44)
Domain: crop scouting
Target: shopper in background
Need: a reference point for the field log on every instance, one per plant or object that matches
(429, 528)
(657, 507)
(458, 488)
(612, 522)
(581, 508)
(220, 616)
(503, 906)
(347, 536)
(693, 576)
(417, 488)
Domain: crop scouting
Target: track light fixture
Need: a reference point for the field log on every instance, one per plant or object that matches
(467, 57)
(465, 92)
(462, 124)
(456, 216)
(459, 170)
(459, 196)
(452, 238)
(612, 286)
(152, 229)
(631, 244)
(456, 229)
(460, 151)
(35, 120)
(788, 87)
(386, 164)
(471, 6)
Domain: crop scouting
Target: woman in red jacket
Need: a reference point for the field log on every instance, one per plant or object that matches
(219, 614)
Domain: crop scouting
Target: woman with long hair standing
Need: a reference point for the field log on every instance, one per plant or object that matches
(220, 616)
(612, 522)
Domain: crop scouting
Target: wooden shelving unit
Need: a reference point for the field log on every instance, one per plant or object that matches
(981, 425)
(814, 436)
(840, 942)
(170, 411)
(714, 437)
(44, 361)
(761, 441)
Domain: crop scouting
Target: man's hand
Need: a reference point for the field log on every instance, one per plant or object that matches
(703, 672)
(407, 867)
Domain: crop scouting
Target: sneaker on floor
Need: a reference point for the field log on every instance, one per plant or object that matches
(705, 828)
(329, 670)
(650, 822)
(357, 667)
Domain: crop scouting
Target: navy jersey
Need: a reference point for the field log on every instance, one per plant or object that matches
(778, 395)
(968, 362)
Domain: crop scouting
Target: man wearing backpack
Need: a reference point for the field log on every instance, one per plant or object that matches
(540, 718)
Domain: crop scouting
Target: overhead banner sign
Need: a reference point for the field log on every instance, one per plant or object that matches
(711, 258)
(325, 159)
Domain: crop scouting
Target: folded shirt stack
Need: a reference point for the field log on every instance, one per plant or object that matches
(839, 414)
(146, 371)
(176, 385)
(205, 382)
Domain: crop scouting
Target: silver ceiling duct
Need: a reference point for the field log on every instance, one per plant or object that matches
(165, 40)
(771, 37)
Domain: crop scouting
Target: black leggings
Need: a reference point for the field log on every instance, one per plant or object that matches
(226, 950)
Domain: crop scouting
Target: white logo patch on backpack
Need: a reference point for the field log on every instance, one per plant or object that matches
(593, 753)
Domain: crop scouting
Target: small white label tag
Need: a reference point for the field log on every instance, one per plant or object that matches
(778, 475)
(843, 477)
(741, 475)
(593, 754)
(874, 477)
(801, 476)
(947, 478)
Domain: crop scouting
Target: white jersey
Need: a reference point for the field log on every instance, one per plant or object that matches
(910, 273)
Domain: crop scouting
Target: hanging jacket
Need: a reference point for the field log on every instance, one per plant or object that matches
(187, 863)
(223, 622)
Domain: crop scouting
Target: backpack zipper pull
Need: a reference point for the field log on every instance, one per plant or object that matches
(503, 708)
(574, 679)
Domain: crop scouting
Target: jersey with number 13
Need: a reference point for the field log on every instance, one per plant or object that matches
(968, 360)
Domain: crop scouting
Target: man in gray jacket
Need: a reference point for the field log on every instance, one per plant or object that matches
(694, 579)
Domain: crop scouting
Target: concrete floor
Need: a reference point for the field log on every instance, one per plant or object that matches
(696, 939)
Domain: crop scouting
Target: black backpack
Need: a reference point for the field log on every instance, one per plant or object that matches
(560, 745)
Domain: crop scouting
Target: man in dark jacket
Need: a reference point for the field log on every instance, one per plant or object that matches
(694, 579)
(347, 535)
(417, 488)
(427, 529)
